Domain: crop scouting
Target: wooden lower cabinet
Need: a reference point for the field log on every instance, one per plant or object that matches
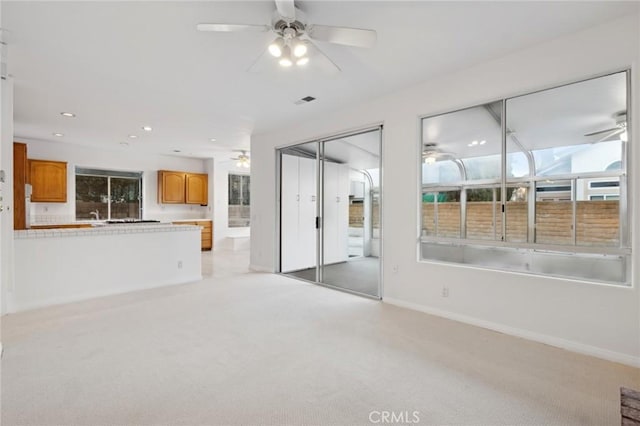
(207, 231)
(62, 226)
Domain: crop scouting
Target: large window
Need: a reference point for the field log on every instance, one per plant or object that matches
(239, 200)
(108, 194)
(534, 183)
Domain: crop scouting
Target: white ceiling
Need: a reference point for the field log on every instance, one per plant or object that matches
(122, 65)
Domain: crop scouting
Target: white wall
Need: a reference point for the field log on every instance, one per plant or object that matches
(50, 270)
(126, 159)
(590, 318)
(6, 188)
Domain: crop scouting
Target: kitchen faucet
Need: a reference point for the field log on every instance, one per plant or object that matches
(96, 214)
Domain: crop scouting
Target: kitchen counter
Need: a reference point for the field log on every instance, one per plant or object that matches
(55, 266)
(102, 229)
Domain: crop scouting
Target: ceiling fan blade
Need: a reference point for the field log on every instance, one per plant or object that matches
(612, 132)
(599, 132)
(286, 9)
(232, 27)
(343, 35)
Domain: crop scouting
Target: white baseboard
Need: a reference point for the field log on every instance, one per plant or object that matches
(525, 334)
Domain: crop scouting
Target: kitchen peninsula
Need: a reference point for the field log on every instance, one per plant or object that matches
(54, 266)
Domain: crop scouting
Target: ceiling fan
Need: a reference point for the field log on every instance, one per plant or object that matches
(294, 35)
(619, 129)
(243, 160)
(431, 153)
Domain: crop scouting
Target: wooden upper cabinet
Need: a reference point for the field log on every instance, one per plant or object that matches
(197, 188)
(182, 187)
(171, 187)
(19, 181)
(48, 181)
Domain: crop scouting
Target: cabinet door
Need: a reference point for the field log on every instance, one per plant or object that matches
(308, 211)
(197, 188)
(48, 181)
(19, 181)
(171, 187)
(289, 205)
(207, 234)
(342, 242)
(330, 213)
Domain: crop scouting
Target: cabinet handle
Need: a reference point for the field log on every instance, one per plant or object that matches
(313, 198)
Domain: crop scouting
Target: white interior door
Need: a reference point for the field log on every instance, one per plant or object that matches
(307, 233)
(289, 207)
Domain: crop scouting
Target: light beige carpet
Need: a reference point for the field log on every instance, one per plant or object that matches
(244, 348)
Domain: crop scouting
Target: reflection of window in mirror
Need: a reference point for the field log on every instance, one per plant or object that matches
(239, 200)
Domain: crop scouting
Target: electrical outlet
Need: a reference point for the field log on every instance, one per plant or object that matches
(445, 291)
(179, 264)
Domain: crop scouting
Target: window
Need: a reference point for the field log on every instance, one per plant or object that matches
(239, 200)
(559, 158)
(108, 194)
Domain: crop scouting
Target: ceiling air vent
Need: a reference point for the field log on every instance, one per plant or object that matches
(304, 100)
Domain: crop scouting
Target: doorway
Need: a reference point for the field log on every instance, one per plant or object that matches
(329, 204)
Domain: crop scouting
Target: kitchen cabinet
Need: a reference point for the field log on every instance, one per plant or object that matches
(197, 188)
(48, 181)
(182, 187)
(19, 181)
(63, 226)
(171, 187)
(206, 238)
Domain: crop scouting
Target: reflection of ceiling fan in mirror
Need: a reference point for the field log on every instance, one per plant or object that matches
(431, 153)
(242, 160)
(617, 132)
(292, 45)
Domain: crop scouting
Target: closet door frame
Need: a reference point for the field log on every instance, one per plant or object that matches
(320, 143)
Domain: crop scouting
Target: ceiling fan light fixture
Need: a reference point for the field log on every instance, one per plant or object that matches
(299, 49)
(302, 61)
(285, 60)
(277, 47)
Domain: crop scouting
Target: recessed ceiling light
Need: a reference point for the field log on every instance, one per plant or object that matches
(68, 114)
(124, 143)
(133, 136)
(147, 128)
(58, 134)
(482, 142)
(213, 139)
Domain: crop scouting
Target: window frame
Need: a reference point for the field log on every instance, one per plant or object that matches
(243, 178)
(622, 174)
(109, 174)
